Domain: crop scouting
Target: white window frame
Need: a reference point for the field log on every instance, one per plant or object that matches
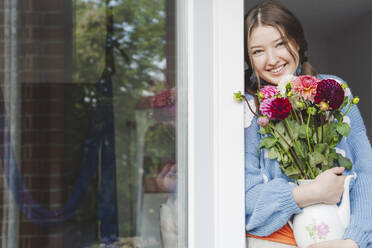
(212, 31)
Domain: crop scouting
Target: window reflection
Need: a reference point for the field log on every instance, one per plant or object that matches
(88, 130)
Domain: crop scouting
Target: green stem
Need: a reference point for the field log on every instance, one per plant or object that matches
(347, 110)
(307, 132)
(300, 114)
(294, 111)
(281, 136)
(296, 144)
(291, 155)
(281, 147)
(330, 116)
(322, 123)
(316, 129)
(311, 171)
(250, 108)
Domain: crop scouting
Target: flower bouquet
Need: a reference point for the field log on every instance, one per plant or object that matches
(302, 123)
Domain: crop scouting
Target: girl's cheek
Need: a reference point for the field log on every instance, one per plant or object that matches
(259, 62)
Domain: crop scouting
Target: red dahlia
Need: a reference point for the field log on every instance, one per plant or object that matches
(280, 108)
(331, 92)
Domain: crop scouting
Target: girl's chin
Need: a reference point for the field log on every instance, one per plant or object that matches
(276, 79)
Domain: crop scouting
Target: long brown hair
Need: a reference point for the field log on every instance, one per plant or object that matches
(271, 13)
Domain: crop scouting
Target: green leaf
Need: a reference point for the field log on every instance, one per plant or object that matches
(344, 162)
(302, 131)
(343, 129)
(327, 163)
(294, 128)
(290, 171)
(283, 144)
(333, 154)
(238, 96)
(273, 153)
(315, 158)
(280, 127)
(285, 158)
(264, 130)
(322, 148)
(300, 149)
(315, 140)
(268, 142)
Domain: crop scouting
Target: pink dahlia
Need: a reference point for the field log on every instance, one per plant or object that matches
(331, 92)
(269, 91)
(276, 108)
(265, 107)
(305, 87)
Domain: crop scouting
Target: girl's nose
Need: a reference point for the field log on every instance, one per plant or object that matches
(272, 58)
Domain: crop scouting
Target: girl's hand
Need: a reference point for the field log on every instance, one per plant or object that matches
(329, 185)
(326, 188)
(347, 243)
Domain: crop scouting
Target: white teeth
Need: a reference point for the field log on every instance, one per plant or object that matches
(277, 69)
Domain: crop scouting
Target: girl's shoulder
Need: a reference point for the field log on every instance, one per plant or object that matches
(248, 115)
(329, 76)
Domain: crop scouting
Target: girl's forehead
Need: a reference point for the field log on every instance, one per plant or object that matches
(264, 34)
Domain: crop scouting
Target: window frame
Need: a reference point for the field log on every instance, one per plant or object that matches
(215, 69)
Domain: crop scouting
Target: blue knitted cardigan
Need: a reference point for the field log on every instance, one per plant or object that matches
(268, 193)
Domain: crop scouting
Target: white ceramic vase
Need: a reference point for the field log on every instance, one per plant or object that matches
(322, 222)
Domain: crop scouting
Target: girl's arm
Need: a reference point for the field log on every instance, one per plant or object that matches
(269, 205)
(358, 149)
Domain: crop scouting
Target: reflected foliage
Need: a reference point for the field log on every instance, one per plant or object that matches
(139, 56)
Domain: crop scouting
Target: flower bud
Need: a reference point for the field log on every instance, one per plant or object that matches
(355, 100)
(238, 96)
(323, 106)
(260, 94)
(289, 94)
(311, 111)
(300, 105)
(263, 121)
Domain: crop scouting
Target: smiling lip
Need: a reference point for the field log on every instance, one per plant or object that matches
(278, 70)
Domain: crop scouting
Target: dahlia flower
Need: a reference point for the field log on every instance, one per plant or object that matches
(265, 107)
(305, 87)
(331, 92)
(276, 108)
(280, 108)
(269, 91)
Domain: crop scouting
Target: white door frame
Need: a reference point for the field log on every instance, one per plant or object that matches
(215, 68)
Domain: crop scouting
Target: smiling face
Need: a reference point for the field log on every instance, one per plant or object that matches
(269, 54)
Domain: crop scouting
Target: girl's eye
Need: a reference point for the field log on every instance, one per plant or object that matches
(282, 43)
(255, 52)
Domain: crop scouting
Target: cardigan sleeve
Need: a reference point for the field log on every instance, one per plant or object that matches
(269, 205)
(360, 228)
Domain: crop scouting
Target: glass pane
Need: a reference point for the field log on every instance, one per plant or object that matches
(89, 137)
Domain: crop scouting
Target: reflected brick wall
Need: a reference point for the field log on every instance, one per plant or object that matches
(45, 55)
(46, 39)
